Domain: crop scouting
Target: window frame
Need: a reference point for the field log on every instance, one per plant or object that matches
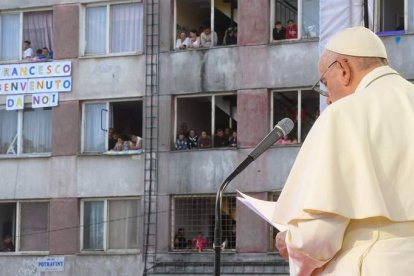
(82, 31)
(20, 150)
(17, 230)
(213, 111)
(172, 221)
(21, 18)
(106, 226)
(299, 24)
(108, 117)
(376, 22)
(299, 100)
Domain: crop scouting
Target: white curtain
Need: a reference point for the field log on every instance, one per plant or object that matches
(126, 27)
(94, 138)
(95, 30)
(37, 131)
(310, 18)
(10, 32)
(8, 130)
(93, 225)
(37, 28)
(123, 224)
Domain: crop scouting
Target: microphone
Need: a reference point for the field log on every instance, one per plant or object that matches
(282, 128)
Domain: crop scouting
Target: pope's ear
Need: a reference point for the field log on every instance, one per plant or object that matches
(345, 72)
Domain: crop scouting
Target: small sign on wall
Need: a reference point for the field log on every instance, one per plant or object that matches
(51, 264)
(15, 102)
(45, 100)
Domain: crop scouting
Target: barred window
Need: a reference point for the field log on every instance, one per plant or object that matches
(193, 222)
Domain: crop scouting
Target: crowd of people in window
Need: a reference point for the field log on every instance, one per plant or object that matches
(188, 140)
(290, 31)
(206, 39)
(43, 54)
(119, 142)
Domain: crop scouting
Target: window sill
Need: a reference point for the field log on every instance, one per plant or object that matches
(25, 156)
(110, 252)
(112, 55)
(207, 251)
(206, 149)
(203, 48)
(25, 253)
(294, 41)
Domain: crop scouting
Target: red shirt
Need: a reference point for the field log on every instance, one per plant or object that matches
(291, 32)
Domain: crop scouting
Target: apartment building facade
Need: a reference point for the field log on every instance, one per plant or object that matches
(72, 205)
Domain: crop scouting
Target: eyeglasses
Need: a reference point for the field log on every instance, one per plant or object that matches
(316, 87)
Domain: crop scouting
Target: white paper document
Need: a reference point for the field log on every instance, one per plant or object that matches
(265, 209)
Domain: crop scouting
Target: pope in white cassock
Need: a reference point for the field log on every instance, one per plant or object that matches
(349, 199)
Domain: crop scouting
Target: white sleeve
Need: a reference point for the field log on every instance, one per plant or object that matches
(314, 242)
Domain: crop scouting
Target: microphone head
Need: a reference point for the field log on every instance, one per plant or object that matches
(285, 125)
(282, 128)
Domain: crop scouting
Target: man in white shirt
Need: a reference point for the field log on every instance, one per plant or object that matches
(27, 51)
(207, 38)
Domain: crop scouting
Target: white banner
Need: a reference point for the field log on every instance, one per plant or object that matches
(15, 102)
(45, 100)
(51, 264)
(36, 85)
(35, 70)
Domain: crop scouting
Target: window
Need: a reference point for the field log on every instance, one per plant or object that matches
(113, 28)
(109, 224)
(26, 224)
(209, 114)
(193, 218)
(390, 16)
(195, 16)
(105, 122)
(36, 27)
(26, 131)
(292, 103)
(295, 19)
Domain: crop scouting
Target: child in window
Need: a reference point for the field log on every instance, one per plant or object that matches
(181, 143)
(199, 242)
(121, 144)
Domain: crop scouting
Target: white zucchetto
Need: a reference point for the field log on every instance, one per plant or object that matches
(357, 41)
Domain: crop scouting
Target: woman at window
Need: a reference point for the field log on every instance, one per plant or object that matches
(182, 42)
(194, 40)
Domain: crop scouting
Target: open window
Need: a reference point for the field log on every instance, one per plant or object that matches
(301, 106)
(36, 27)
(220, 15)
(390, 16)
(109, 224)
(293, 19)
(107, 123)
(213, 119)
(27, 131)
(25, 225)
(193, 219)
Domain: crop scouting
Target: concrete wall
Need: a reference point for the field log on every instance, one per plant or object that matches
(81, 265)
(202, 171)
(238, 68)
(71, 176)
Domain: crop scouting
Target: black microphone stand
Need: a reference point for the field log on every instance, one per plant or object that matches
(217, 245)
(282, 128)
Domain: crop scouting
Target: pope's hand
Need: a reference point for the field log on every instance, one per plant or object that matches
(281, 244)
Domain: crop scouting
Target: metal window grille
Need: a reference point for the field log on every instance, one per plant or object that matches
(194, 215)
